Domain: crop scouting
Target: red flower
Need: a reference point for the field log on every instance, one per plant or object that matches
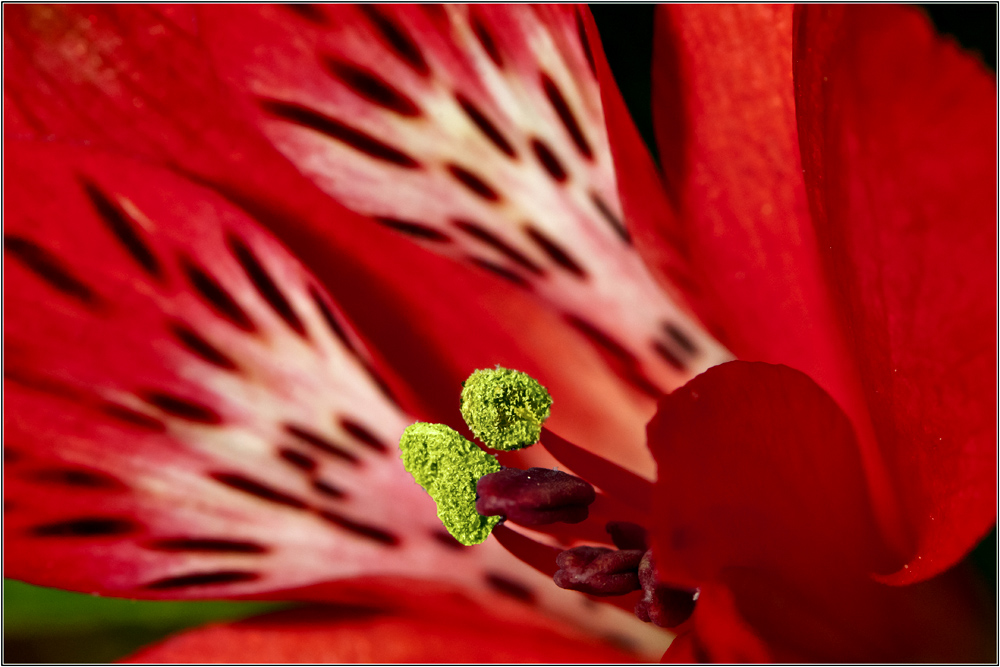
(191, 415)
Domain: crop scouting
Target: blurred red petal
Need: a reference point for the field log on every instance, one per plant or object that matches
(190, 415)
(724, 116)
(898, 130)
(650, 218)
(431, 627)
(145, 85)
(485, 124)
(767, 512)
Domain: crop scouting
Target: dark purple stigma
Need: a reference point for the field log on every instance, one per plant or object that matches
(660, 605)
(598, 570)
(534, 497)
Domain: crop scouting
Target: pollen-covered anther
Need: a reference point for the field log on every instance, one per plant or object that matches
(505, 408)
(534, 497)
(661, 605)
(598, 570)
(448, 467)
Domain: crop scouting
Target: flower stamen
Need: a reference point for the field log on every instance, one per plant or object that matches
(534, 497)
(599, 570)
(661, 605)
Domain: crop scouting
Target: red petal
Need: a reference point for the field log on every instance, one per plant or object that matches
(725, 120)
(651, 218)
(899, 130)
(431, 627)
(146, 87)
(485, 125)
(190, 415)
(743, 487)
(762, 504)
(186, 400)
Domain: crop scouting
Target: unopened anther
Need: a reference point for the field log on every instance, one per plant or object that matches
(598, 570)
(660, 605)
(534, 497)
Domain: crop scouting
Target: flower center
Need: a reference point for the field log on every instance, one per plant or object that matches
(505, 409)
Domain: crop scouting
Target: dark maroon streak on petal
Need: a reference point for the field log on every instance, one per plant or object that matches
(503, 272)
(482, 33)
(549, 161)
(201, 348)
(331, 320)
(667, 355)
(312, 13)
(363, 435)
(258, 490)
(334, 129)
(182, 408)
(264, 284)
(585, 43)
(680, 338)
(125, 229)
(397, 39)
(327, 489)
(298, 459)
(473, 183)
(133, 418)
(507, 586)
(206, 545)
(371, 87)
(555, 252)
(627, 363)
(566, 116)
(489, 238)
(77, 478)
(37, 382)
(215, 296)
(321, 443)
(613, 220)
(87, 527)
(50, 269)
(202, 579)
(363, 530)
(448, 540)
(415, 229)
(488, 129)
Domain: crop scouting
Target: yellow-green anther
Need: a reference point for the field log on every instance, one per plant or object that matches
(455, 495)
(505, 408)
(425, 449)
(448, 467)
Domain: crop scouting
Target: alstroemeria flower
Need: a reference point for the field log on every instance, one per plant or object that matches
(247, 246)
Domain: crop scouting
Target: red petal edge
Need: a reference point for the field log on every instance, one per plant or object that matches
(422, 626)
(762, 505)
(724, 113)
(898, 130)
